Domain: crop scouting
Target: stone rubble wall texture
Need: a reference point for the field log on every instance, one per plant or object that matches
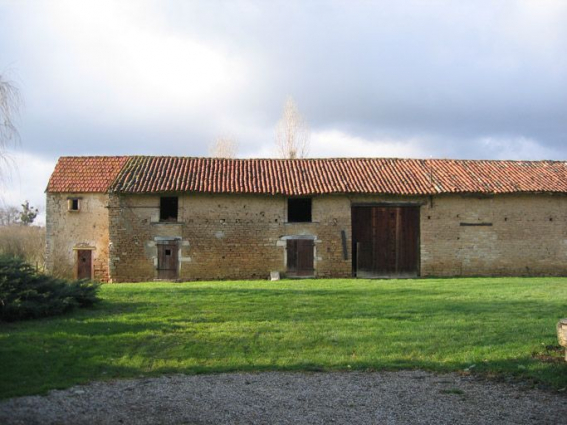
(67, 231)
(528, 236)
(243, 236)
(224, 236)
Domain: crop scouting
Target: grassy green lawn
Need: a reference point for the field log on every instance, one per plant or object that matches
(501, 326)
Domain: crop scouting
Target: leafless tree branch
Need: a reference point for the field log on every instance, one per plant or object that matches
(10, 103)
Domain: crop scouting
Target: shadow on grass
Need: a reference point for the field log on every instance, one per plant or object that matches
(104, 309)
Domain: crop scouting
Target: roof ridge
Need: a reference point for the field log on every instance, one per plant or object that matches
(385, 158)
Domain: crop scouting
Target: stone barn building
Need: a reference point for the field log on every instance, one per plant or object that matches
(141, 218)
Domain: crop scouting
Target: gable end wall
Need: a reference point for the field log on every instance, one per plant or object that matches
(67, 231)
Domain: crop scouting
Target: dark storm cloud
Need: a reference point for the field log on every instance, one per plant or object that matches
(466, 79)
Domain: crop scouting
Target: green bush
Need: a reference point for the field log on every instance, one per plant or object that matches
(26, 294)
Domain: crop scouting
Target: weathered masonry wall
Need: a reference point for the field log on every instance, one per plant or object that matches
(498, 235)
(67, 231)
(243, 236)
(224, 236)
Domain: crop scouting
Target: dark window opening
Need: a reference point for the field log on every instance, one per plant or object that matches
(168, 208)
(299, 210)
(168, 252)
(74, 204)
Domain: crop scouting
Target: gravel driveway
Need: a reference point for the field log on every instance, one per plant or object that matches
(407, 397)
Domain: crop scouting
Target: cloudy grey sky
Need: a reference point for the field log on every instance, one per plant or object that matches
(456, 79)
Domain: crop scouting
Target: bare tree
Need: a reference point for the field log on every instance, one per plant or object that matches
(292, 133)
(9, 215)
(10, 102)
(223, 147)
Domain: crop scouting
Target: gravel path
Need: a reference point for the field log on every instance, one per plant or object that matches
(407, 397)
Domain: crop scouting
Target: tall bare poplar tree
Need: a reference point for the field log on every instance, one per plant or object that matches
(223, 147)
(292, 133)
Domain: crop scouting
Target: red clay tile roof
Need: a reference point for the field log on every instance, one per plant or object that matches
(142, 174)
(85, 173)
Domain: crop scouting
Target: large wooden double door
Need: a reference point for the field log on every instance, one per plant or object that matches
(385, 241)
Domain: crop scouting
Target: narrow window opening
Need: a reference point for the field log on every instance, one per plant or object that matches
(73, 204)
(168, 208)
(299, 210)
(168, 252)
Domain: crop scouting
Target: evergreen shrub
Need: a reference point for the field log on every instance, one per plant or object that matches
(27, 294)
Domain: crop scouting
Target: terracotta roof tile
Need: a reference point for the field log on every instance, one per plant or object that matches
(145, 174)
(85, 173)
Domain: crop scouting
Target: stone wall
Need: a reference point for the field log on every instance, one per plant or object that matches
(244, 236)
(67, 231)
(521, 235)
(224, 236)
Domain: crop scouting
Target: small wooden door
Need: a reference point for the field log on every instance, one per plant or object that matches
(168, 260)
(385, 241)
(300, 257)
(84, 264)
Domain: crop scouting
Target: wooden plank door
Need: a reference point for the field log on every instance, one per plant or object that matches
(305, 257)
(168, 260)
(385, 241)
(362, 240)
(300, 258)
(407, 260)
(84, 264)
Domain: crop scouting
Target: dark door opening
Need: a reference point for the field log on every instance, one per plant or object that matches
(385, 241)
(84, 264)
(300, 258)
(168, 260)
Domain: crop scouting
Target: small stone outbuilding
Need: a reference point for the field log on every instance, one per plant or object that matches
(140, 218)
